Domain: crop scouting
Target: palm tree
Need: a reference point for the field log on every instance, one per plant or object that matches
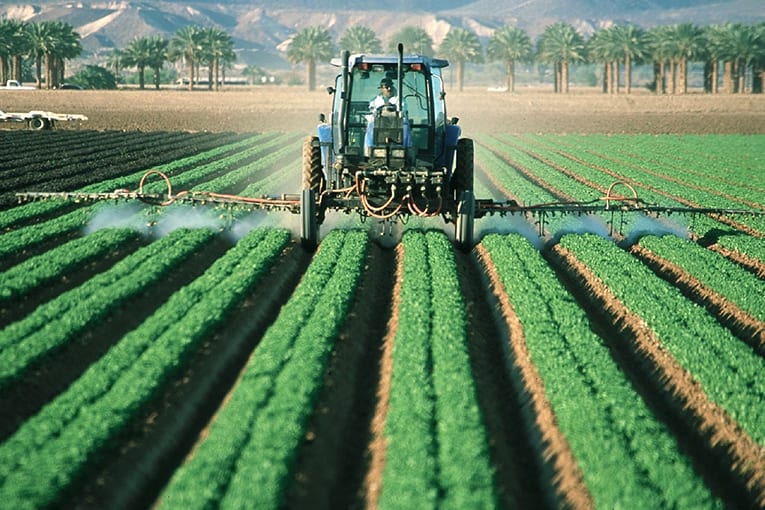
(461, 46)
(310, 45)
(660, 51)
(561, 45)
(685, 41)
(510, 45)
(415, 40)
(14, 44)
(633, 45)
(41, 42)
(360, 39)
(68, 47)
(54, 42)
(758, 64)
(742, 47)
(115, 61)
(158, 47)
(138, 54)
(217, 48)
(186, 46)
(603, 47)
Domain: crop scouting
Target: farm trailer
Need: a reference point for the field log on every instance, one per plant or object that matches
(38, 120)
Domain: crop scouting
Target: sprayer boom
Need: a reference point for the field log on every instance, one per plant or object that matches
(353, 200)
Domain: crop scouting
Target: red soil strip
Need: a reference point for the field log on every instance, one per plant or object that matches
(719, 432)
(568, 479)
(378, 445)
(741, 322)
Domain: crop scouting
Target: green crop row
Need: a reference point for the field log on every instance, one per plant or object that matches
(731, 159)
(246, 460)
(609, 428)
(729, 371)
(56, 322)
(437, 453)
(34, 209)
(13, 241)
(50, 450)
(549, 145)
(713, 270)
(57, 262)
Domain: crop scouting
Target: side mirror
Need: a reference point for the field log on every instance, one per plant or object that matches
(330, 90)
(454, 120)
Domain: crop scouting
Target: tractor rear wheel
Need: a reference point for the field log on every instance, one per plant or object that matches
(463, 230)
(314, 183)
(313, 176)
(462, 178)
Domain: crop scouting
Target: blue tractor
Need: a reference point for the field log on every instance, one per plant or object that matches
(388, 159)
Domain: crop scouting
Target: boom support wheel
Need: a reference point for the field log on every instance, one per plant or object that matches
(309, 224)
(462, 179)
(463, 230)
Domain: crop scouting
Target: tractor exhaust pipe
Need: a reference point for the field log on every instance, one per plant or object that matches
(400, 78)
(344, 99)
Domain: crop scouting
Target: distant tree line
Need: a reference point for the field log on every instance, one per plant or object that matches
(733, 53)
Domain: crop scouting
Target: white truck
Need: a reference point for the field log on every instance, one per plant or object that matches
(15, 85)
(38, 120)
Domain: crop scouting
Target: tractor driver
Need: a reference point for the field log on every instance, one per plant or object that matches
(386, 97)
(384, 103)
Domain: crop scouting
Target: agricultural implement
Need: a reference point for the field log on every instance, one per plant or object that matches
(38, 120)
(391, 159)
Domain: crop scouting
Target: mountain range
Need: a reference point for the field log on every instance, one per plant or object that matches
(262, 29)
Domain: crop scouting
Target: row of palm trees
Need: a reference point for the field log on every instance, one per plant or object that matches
(195, 46)
(730, 50)
(48, 43)
(734, 51)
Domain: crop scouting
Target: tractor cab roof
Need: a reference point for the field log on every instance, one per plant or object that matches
(357, 59)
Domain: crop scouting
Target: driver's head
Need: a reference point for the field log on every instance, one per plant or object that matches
(386, 87)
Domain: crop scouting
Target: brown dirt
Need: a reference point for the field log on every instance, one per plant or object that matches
(295, 109)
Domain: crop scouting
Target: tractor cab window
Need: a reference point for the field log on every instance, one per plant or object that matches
(365, 88)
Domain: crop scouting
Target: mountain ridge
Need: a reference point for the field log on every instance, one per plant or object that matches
(261, 30)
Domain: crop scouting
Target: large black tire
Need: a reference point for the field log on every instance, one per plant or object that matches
(313, 176)
(462, 178)
(309, 224)
(463, 229)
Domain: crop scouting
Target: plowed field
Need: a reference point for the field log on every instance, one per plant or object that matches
(191, 357)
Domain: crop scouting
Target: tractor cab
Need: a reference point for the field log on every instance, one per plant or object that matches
(410, 131)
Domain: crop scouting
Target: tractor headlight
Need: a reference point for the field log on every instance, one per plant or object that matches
(379, 152)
